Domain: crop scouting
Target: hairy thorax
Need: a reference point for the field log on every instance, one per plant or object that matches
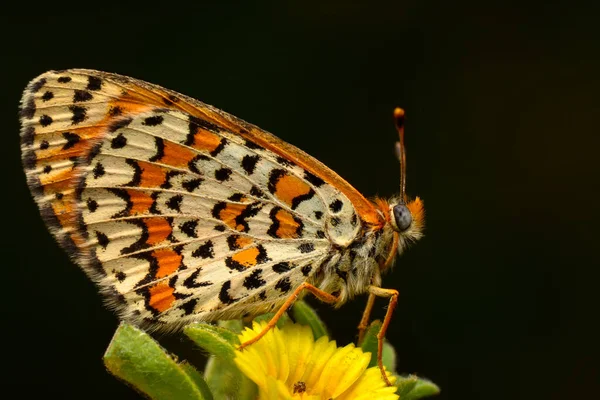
(349, 270)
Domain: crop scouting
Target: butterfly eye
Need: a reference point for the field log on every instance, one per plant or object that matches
(402, 217)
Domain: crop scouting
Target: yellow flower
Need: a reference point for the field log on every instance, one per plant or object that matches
(288, 363)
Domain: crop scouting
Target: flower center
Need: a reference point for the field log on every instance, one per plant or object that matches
(299, 387)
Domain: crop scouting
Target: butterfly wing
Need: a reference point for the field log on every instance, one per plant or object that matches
(177, 210)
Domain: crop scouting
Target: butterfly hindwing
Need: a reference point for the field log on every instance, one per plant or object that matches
(175, 213)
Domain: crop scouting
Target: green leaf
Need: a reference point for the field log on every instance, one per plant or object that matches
(284, 319)
(234, 325)
(139, 360)
(217, 340)
(369, 342)
(226, 381)
(412, 387)
(305, 315)
(223, 377)
(197, 378)
(423, 388)
(405, 384)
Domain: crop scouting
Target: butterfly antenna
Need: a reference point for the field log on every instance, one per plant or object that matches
(400, 151)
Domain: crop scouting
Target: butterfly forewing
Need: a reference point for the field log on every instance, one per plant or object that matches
(169, 204)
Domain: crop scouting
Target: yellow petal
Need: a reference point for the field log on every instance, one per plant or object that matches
(322, 351)
(300, 344)
(371, 386)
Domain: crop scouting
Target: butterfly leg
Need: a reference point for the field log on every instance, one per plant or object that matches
(364, 321)
(393, 296)
(318, 293)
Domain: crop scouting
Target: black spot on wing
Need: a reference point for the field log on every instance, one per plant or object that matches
(140, 244)
(254, 280)
(190, 281)
(284, 161)
(224, 294)
(249, 163)
(121, 123)
(303, 197)
(189, 306)
(274, 177)
(48, 96)
(306, 269)
(336, 205)
(153, 121)
(248, 212)
(160, 149)
(98, 170)
(102, 239)
(28, 137)
(120, 275)
(189, 228)
(283, 285)
(306, 247)
(205, 250)
(81, 96)
(64, 79)
(118, 142)
(28, 109)
(314, 180)
(137, 172)
(92, 205)
(115, 111)
(71, 138)
(232, 242)
(234, 265)
(223, 174)
(282, 267)
(94, 83)
(192, 184)
(45, 120)
(237, 197)
(36, 86)
(79, 114)
(220, 228)
(252, 145)
(219, 148)
(174, 203)
(256, 192)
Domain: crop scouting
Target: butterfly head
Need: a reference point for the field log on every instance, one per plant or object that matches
(405, 217)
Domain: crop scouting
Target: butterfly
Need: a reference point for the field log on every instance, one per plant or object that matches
(180, 212)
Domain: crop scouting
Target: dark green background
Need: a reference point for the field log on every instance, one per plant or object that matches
(498, 301)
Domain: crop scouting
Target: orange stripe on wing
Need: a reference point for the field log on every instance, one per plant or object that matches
(288, 227)
(161, 297)
(141, 202)
(247, 258)
(230, 212)
(152, 175)
(176, 155)
(205, 140)
(243, 241)
(168, 262)
(159, 230)
(288, 187)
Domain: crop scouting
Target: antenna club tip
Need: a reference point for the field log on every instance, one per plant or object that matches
(399, 117)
